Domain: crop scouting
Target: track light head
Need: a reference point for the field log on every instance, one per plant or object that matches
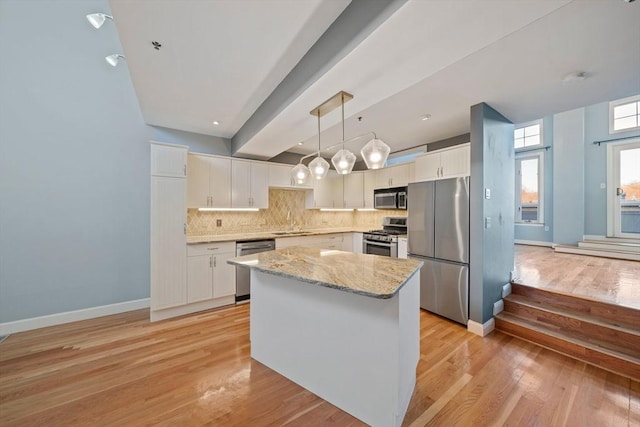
(114, 59)
(97, 19)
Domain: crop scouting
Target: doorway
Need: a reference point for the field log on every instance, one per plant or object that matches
(623, 189)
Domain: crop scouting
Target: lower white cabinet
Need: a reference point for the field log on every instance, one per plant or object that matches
(208, 274)
(337, 241)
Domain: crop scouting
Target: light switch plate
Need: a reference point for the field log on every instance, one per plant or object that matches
(487, 222)
(603, 185)
(487, 193)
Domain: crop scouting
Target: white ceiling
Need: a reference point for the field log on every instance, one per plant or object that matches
(437, 57)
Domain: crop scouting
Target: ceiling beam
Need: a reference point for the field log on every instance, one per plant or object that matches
(355, 23)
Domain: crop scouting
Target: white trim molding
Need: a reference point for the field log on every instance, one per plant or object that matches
(71, 316)
(533, 243)
(481, 329)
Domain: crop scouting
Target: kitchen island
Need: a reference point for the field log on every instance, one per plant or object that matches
(344, 326)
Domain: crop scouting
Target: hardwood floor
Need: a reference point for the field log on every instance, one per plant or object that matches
(604, 279)
(196, 370)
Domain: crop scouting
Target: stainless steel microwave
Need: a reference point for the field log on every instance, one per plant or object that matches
(390, 198)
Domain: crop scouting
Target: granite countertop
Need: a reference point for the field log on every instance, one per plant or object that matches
(271, 235)
(370, 275)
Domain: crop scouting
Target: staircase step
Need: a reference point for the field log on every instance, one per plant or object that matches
(586, 327)
(606, 253)
(587, 352)
(610, 245)
(618, 315)
(593, 238)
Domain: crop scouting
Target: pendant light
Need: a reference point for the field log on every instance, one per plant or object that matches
(375, 153)
(300, 174)
(343, 160)
(319, 167)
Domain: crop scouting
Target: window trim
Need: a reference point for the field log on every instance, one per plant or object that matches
(524, 125)
(617, 103)
(518, 184)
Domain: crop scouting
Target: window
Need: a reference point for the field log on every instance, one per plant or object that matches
(528, 135)
(624, 114)
(529, 185)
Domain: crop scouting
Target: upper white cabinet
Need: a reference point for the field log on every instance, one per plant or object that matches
(353, 190)
(280, 176)
(369, 178)
(249, 184)
(327, 192)
(209, 181)
(446, 163)
(394, 176)
(168, 160)
(168, 240)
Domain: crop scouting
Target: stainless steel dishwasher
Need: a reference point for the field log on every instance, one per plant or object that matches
(243, 274)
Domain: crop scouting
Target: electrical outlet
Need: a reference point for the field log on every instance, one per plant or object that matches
(603, 185)
(218, 223)
(546, 228)
(487, 222)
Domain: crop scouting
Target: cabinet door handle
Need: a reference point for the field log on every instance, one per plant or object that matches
(212, 249)
(210, 261)
(215, 261)
(185, 229)
(185, 169)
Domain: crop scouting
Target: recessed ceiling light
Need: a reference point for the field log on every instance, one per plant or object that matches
(425, 117)
(300, 143)
(215, 122)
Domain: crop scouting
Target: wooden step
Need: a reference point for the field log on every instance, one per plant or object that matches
(610, 245)
(606, 253)
(618, 315)
(594, 329)
(587, 352)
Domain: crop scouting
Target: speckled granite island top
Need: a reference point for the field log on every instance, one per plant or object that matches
(369, 275)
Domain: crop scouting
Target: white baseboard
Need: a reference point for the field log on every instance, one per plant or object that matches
(533, 243)
(71, 316)
(481, 329)
(195, 307)
(506, 290)
(498, 307)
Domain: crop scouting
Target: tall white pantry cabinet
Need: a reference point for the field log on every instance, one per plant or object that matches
(168, 218)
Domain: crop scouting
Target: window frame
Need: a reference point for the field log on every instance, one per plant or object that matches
(524, 125)
(618, 103)
(518, 187)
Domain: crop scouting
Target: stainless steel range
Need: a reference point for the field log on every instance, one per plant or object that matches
(385, 242)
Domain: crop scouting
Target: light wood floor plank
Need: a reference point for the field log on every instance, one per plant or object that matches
(196, 370)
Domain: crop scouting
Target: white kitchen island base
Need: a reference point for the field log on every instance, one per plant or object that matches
(357, 352)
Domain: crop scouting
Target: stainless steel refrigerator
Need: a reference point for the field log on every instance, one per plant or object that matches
(438, 227)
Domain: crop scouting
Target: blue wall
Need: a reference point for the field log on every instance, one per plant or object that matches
(491, 248)
(595, 172)
(74, 164)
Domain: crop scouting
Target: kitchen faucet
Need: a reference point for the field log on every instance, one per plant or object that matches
(290, 220)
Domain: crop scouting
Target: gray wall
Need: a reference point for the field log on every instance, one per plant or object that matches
(74, 165)
(197, 143)
(538, 232)
(491, 249)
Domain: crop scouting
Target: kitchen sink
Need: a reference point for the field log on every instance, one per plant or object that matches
(284, 233)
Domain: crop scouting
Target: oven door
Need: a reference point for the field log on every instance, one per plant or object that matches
(373, 247)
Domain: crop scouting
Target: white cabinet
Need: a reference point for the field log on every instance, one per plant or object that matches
(394, 176)
(168, 218)
(336, 241)
(403, 247)
(208, 275)
(168, 160)
(209, 181)
(353, 189)
(249, 184)
(280, 176)
(446, 163)
(356, 243)
(369, 186)
(327, 192)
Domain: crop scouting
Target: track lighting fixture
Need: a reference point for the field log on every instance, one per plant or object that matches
(114, 59)
(97, 19)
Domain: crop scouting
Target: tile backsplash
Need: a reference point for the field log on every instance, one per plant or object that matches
(281, 203)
